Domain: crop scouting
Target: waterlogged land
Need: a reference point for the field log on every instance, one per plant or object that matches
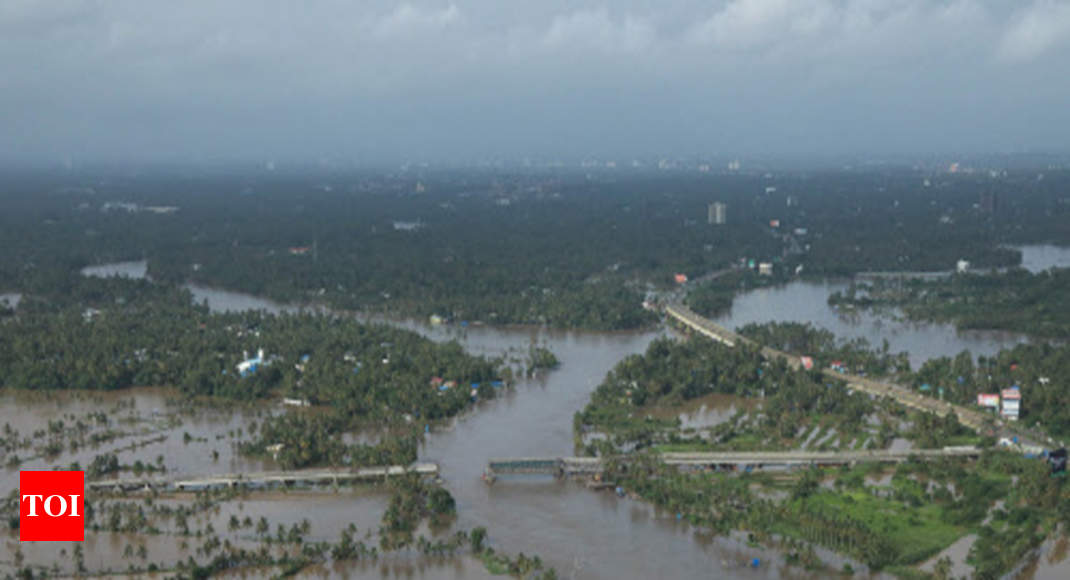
(1017, 300)
(366, 393)
(496, 252)
(564, 523)
(1009, 503)
(566, 249)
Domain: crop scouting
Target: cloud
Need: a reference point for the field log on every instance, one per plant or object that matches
(1038, 29)
(408, 19)
(85, 75)
(747, 25)
(595, 29)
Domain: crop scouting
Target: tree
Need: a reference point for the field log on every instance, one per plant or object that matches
(478, 535)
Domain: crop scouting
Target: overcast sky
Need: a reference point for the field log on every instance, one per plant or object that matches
(465, 79)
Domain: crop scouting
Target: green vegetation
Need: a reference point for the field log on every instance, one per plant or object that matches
(823, 347)
(289, 549)
(540, 359)
(714, 297)
(1016, 300)
(893, 523)
(1039, 369)
(411, 502)
(672, 372)
(922, 510)
(563, 249)
(521, 567)
(353, 375)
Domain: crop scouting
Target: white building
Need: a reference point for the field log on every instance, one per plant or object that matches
(249, 365)
(717, 213)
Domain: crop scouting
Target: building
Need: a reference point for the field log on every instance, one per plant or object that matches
(407, 226)
(1012, 401)
(716, 213)
(962, 266)
(988, 202)
(765, 268)
(250, 365)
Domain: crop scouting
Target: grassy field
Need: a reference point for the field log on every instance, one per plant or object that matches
(916, 532)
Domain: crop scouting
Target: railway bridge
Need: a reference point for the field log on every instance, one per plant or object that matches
(264, 479)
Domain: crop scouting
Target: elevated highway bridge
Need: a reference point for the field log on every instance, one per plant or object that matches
(969, 417)
(730, 460)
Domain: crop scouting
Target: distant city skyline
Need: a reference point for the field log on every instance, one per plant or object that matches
(470, 81)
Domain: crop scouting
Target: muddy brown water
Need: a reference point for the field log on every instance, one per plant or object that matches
(583, 534)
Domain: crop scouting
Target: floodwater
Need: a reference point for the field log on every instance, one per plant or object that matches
(705, 412)
(10, 299)
(957, 553)
(582, 533)
(1051, 562)
(807, 302)
(1037, 258)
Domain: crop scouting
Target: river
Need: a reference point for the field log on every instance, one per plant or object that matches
(584, 534)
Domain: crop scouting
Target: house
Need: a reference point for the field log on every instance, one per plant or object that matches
(250, 365)
(765, 268)
(407, 226)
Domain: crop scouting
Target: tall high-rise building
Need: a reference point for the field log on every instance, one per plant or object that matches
(716, 213)
(989, 202)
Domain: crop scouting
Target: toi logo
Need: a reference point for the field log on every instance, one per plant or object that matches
(51, 506)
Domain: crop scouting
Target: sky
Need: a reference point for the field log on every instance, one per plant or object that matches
(467, 80)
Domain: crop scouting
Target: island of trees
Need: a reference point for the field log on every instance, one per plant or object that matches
(890, 518)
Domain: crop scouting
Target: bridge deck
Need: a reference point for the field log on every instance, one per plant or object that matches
(969, 417)
(267, 478)
(800, 457)
(591, 465)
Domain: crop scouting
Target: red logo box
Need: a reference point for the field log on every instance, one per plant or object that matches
(51, 506)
